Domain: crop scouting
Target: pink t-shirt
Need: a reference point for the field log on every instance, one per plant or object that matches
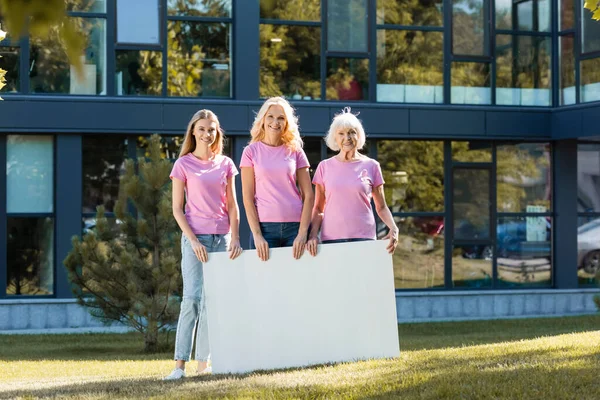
(348, 191)
(205, 190)
(276, 195)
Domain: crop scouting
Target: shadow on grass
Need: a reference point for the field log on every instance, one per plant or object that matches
(426, 336)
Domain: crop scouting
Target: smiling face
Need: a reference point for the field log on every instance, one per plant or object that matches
(275, 121)
(346, 139)
(205, 132)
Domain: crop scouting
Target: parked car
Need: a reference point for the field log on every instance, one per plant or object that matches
(588, 247)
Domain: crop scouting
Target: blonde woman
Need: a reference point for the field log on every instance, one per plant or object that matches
(345, 185)
(278, 195)
(205, 178)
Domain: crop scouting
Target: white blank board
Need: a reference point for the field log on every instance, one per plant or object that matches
(338, 306)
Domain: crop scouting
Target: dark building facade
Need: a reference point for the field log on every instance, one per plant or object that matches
(483, 115)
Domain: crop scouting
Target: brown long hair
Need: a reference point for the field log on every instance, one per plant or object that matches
(189, 141)
(290, 136)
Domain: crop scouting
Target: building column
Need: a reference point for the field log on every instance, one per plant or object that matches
(565, 211)
(69, 199)
(246, 56)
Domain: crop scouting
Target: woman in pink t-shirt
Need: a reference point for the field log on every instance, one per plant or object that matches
(344, 186)
(205, 179)
(278, 195)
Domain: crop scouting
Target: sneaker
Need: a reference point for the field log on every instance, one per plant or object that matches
(177, 373)
(207, 370)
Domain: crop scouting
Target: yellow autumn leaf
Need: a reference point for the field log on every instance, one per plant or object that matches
(596, 15)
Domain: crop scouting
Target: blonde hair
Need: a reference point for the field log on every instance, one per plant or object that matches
(189, 140)
(291, 133)
(345, 120)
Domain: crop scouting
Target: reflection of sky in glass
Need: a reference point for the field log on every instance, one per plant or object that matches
(504, 10)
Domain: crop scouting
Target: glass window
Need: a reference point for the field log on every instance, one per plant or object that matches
(138, 21)
(347, 79)
(29, 174)
(471, 204)
(523, 70)
(588, 250)
(297, 10)
(410, 66)
(103, 163)
(524, 177)
(414, 174)
(472, 151)
(312, 148)
(139, 73)
(199, 61)
(419, 257)
(588, 177)
(590, 79)
(30, 256)
(528, 15)
(93, 6)
(469, 29)
(567, 14)
(347, 25)
(567, 70)
(407, 12)
(524, 251)
(9, 61)
(472, 266)
(590, 35)
(471, 83)
(200, 8)
(50, 71)
(170, 145)
(290, 62)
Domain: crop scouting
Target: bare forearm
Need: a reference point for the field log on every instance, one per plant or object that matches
(183, 224)
(234, 221)
(252, 216)
(315, 224)
(305, 218)
(387, 217)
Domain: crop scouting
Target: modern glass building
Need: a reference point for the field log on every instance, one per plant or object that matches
(483, 114)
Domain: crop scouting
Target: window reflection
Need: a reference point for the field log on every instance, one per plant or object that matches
(590, 36)
(588, 250)
(567, 14)
(414, 174)
(93, 6)
(347, 79)
(103, 163)
(30, 256)
(200, 8)
(471, 83)
(50, 72)
(198, 59)
(567, 70)
(297, 10)
(524, 177)
(9, 61)
(471, 203)
(290, 62)
(588, 178)
(590, 80)
(524, 251)
(347, 25)
(410, 66)
(528, 15)
(472, 151)
(523, 70)
(472, 266)
(469, 29)
(139, 72)
(406, 12)
(419, 257)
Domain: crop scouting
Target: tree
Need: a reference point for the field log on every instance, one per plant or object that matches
(593, 6)
(38, 17)
(132, 275)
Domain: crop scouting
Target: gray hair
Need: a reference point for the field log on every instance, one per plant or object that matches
(345, 120)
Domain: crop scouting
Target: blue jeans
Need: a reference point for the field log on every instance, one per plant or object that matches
(278, 234)
(193, 307)
(345, 240)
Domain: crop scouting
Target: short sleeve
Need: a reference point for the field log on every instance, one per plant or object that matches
(301, 159)
(247, 158)
(377, 175)
(178, 171)
(318, 178)
(231, 169)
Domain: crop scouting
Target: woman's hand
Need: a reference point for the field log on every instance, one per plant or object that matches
(312, 245)
(262, 247)
(393, 237)
(298, 247)
(199, 250)
(235, 249)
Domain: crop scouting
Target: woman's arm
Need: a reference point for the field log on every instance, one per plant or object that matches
(386, 216)
(316, 220)
(308, 199)
(248, 192)
(178, 196)
(234, 219)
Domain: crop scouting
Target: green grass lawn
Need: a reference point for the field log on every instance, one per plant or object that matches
(552, 358)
